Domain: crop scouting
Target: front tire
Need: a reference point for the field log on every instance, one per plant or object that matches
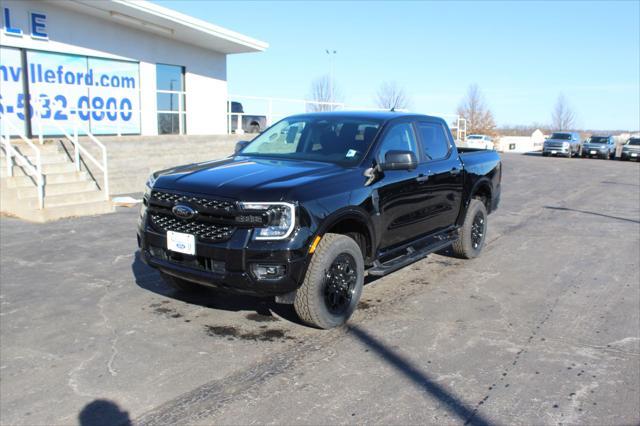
(471, 235)
(333, 283)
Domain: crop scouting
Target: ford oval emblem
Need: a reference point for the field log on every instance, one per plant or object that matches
(183, 212)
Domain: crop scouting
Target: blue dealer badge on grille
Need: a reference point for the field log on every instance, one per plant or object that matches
(183, 212)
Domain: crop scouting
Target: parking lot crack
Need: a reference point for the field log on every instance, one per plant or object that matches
(112, 330)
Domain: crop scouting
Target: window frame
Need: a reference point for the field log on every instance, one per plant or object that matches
(387, 129)
(423, 144)
(181, 112)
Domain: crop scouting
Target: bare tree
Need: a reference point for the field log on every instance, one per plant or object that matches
(475, 111)
(562, 117)
(392, 96)
(324, 90)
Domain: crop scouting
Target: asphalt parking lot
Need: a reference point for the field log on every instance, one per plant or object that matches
(543, 328)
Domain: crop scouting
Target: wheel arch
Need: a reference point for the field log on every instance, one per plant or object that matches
(482, 190)
(352, 220)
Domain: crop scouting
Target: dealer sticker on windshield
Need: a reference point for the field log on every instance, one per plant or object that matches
(351, 153)
(181, 243)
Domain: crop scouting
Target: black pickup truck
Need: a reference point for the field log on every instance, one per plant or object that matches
(314, 202)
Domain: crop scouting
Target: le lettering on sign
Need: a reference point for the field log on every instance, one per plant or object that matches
(37, 22)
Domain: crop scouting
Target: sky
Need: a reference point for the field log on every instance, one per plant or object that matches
(522, 55)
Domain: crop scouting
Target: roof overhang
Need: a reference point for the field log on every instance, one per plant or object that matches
(150, 17)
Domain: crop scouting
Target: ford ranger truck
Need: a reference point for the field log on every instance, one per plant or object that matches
(310, 205)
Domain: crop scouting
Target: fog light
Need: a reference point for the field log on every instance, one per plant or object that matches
(268, 272)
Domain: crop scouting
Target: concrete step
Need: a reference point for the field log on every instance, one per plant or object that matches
(49, 148)
(58, 168)
(56, 189)
(54, 213)
(46, 169)
(53, 158)
(20, 181)
(80, 197)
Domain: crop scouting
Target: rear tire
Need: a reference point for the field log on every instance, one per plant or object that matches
(181, 285)
(471, 236)
(333, 283)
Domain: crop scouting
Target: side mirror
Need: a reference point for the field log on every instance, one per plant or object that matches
(240, 145)
(399, 160)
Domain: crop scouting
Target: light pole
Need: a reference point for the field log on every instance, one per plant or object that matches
(331, 54)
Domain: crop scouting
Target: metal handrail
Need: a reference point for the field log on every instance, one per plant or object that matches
(22, 160)
(78, 148)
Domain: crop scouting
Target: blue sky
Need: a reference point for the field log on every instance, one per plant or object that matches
(521, 54)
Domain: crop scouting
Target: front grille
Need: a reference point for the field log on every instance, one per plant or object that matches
(202, 230)
(209, 203)
(555, 145)
(214, 221)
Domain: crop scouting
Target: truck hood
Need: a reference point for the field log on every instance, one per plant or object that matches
(250, 179)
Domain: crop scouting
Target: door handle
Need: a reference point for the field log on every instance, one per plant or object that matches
(422, 177)
(455, 171)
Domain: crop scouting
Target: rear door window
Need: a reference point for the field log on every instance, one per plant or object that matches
(435, 143)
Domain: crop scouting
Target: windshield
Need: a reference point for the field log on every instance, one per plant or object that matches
(634, 141)
(340, 140)
(561, 136)
(598, 139)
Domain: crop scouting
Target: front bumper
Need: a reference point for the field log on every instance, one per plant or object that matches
(594, 152)
(630, 155)
(556, 151)
(227, 266)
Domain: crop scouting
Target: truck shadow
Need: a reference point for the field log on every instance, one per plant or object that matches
(469, 415)
(591, 213)
(150, 280)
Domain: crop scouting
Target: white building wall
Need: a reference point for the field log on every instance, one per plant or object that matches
(71, 32)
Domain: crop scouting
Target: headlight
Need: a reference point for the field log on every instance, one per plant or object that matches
(282, 218)
(565, 144)
(151, 180)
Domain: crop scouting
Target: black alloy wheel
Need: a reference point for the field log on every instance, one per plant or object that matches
(340, 283)
(477, 230)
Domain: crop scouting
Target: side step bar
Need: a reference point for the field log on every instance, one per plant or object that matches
(380, 269)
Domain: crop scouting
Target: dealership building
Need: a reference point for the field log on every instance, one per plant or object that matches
(114, 67)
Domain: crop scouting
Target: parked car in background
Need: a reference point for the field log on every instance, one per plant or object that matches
(599, 146)
(305, 208)
(566, 144)
(479, 142)
(631, 150)
(250, 123)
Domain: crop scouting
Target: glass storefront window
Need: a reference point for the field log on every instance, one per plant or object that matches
(170, 99)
